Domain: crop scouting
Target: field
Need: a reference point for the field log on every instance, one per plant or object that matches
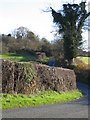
(46, 97)
(85, 59)
(19, 57)
(24, 57)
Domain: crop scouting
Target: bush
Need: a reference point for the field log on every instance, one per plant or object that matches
(82, 71)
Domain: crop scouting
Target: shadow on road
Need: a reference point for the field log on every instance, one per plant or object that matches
(86, 92)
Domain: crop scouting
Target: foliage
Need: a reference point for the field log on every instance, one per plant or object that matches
(85, 59)
(44, 60)
(28, 41)
(31, 77)
(22, 40)
(82, 71)
(47, 97)
(20, 32)
(57, 49)
(80, 64)
(46, 47)
(70, 22)
(29, 71)
(17, 77)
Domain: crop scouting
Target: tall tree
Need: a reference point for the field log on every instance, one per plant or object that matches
(70, 23)
(20, 32)
(46, 46)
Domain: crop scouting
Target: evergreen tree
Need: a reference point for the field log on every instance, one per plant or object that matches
(70, 22)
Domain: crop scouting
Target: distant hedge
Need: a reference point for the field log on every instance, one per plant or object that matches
(30, 77)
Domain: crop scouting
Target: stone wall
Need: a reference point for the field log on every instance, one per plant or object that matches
(31, 78)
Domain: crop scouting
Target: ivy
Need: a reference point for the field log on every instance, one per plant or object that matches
(29, 71)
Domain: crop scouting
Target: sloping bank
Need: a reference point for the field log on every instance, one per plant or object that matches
(30, 77)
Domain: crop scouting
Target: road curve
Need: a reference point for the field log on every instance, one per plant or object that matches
(75, 109)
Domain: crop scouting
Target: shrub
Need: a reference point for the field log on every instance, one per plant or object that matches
(82, 71)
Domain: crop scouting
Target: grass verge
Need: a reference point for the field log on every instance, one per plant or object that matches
(9, 101)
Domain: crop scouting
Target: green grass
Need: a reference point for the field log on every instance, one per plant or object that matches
(23, 57)
(44, 60)
(9, 101)
(85, 59)
(18, 57)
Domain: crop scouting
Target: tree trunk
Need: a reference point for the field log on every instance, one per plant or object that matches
(71, 63)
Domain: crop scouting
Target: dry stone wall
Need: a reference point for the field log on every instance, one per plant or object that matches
(30, 77)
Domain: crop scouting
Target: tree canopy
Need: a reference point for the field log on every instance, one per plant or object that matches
(70, 23)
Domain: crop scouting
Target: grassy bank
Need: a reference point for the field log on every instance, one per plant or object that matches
(48, 97)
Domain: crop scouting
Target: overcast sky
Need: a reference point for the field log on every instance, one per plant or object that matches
(28, 13)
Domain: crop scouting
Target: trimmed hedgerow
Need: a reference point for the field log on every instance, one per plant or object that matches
(29, 71)
(31, 77)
